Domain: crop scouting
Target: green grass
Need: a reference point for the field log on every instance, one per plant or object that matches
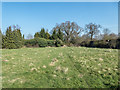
(73, 67)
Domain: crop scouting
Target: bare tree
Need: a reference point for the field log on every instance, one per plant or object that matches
(92, 29)
(29, 36)
(113, 36)
(85, 37)
(99, 36)
(70, 30)
(106, 33)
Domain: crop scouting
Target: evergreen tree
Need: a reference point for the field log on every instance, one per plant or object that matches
(15, 38)
(23, 37)
(3, 41)
(54, 35)
(47, 35)
(19, 41)
(9, 40)
(12, 39)
(0, 39)
(37, 34)
(42, 33)
(60, 35)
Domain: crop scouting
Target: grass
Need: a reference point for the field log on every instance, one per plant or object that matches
(68, 67)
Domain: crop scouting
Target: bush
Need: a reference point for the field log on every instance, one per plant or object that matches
(30, 43)
(51, 43)
(100, 44)
(39, 42)
(118, 44)
(58, 43)
(96, 44)
(82, 43)
(70, 45)
(113, 43)
(42, 42)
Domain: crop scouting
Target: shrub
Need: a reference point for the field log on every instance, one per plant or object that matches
(99, 44)
(118, 44)
(70, 44)
(51, 43)
(96, 44)
(30, 43)
(87, 43)
(42, 42)
(102, 44)
(39, 42)
(82, 43)
(113, 43)
(58, 43)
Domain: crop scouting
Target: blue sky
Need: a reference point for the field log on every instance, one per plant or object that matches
(32, 16)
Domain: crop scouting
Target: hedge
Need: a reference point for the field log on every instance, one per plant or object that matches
(114, 43)
(30, 43)
(41, 42)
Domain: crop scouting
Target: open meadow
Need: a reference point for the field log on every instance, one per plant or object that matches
(62, 67)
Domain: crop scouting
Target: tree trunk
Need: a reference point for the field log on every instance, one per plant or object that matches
(91, 37)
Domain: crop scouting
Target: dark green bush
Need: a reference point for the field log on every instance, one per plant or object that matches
(51, 43)
(30, 43)
(82, 43)
(102, 44)
(39, 42)
(42, 42)
(58, 43)
(118, 44)
(114, 43)
(96, 44)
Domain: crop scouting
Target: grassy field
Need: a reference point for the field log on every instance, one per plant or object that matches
(62, 67)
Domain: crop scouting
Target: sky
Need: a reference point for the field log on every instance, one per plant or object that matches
(32, 16)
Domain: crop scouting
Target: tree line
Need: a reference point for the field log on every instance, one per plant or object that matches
(67, 33)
